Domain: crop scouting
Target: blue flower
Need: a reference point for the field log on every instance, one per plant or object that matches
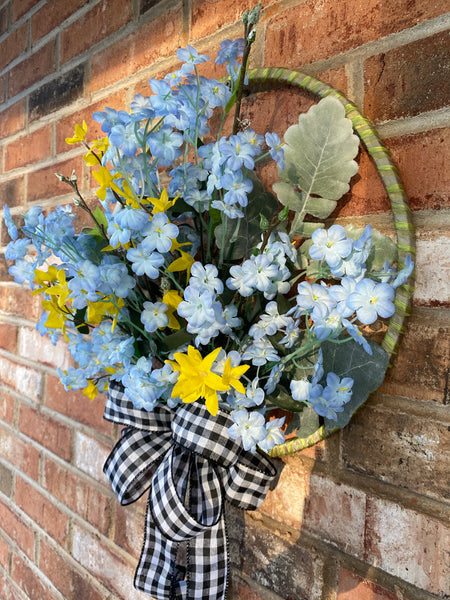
(357, 335)
(159, 234)
(338, 391)
(274, 434)
(237, 188)
(163, 100)
(11, 226)
(260, 352)
(17, 249)
(154, 316)
(371, 299)
(332, 245)
(124, 137)
(405, 273)
(197, 307)
(144, 262)
(275, 149)
(249, 427)
(164, 144)
(205, 278)
(190, 56)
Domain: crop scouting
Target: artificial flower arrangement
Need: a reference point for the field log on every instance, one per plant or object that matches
(194, 283)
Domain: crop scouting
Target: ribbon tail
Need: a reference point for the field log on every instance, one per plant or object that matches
(207, 569)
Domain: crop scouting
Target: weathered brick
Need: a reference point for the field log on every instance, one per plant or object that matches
(12, 119)
(59, 92)
(399, 448)
(30, 581)
(13, 45)
(17, 452)
(312, 31)
(28, 149)
(8, 590)
(8, 337)
(6, 480)
(49, 16)
(93, 506)
(104, 19)
(17, 530)
(103, 564)
(427, 182)
(408, 80)
(432, 268)
(209, 15)
(77, 406)
(240, 591)
(43, 512)
(6, 407)
(46, 431)
(352, 587)
(20, 7)
(12, 192)
(3, 19)
(4, 554)
(71, 583)
(32, 69)
(19, 302)
(133, 52)
(420, 369)
(65, 127)
(40, 349)
(274, 562)
(43, 183)
(129, 526)
(408, 545)
(90, 456)
(22, 379)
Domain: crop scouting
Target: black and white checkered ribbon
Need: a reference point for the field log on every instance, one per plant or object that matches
(192, 466)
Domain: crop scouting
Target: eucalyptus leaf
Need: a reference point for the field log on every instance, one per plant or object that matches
(367, 372)
(241, 235)
(283, 399)
(309, 422)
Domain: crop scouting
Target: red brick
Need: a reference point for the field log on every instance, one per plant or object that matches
(49, 16)
(20, 7)
(12, 119)
(90, 456)
(399, 448)
(65, 127)
(30, 582)
(133, 53)
(19, 302)
(352, 587)
(20, 454)
(40, 349)
(209, 15)
(74, 492)
(315, 30)
(6, 407)
(16, 529)
(46, 431)
(242, 592)
(23, 379)
(4, 554)
(32, 69)
(12, 192)
(97, 24)
(420, 369)
(408, 545)
(4, 19)
(44, 184)
(42, 511)
(8, 590)
(129, 523)
(8, 337)
(77, 406)
(427, 182)
(408, 80)
(28, 149)
(13, 45)
(71, 583)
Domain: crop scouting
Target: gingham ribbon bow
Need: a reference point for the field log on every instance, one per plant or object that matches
(192, 466)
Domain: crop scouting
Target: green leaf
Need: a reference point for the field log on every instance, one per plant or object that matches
(241, 235)
(100, 217)
(284, 400)
(351, 360)
(309, 422)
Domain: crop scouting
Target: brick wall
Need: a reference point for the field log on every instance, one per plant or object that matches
(362, 516)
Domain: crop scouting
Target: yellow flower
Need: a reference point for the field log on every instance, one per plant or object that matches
(162, 203)
(90, 390)
(104, 307)
(196, 380)
(172, 298)
(184, 263)
(56, 318)
(96, 152)
(231, 375)
(80, 134)
(105, 180)
(53, 282)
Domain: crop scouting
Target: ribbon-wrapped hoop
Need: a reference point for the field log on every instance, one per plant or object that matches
(193, 466)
